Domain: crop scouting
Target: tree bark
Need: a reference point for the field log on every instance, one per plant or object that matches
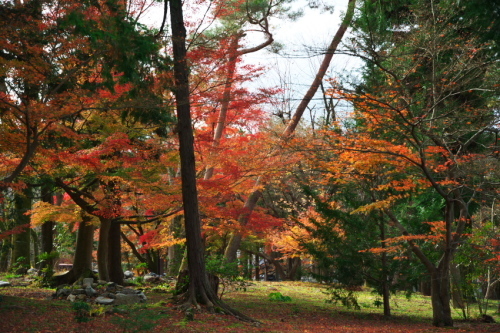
(115, 269)
(199, 291)
(102, 249)
(440, 284)
(82, 262)
(226, 97)
(47, 230)
(20, 259)
(385, 274)
(440, 298)
(322, 69)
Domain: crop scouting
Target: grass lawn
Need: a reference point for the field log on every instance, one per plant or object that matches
(27, 309)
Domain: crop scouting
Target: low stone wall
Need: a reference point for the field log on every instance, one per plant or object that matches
(100, 292)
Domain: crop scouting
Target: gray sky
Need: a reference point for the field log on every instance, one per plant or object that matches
(304, 40)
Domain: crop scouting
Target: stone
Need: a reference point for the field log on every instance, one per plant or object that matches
(128, 274)
(71, 298)
(87, 282)
(63, 292)
(33, 271)
(152, 278)
(90, 292)
(109, 295)
(111, 287)
(4, 283)
(128, 291)
(122, 299)
(142, 296)
(104, 300)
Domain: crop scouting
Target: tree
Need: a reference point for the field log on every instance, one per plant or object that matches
(199, 289)
(427, 104)
(252, 199)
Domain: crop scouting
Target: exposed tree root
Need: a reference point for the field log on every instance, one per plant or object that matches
(191, 301)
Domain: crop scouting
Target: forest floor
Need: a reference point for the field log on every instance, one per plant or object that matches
(295, 307)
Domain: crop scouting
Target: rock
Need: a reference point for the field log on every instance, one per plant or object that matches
(87, 282)
(128, 291)
(111, 287)
(78, 291)
(142, 296)
(33, 271)
(152, 278)
(4, 283)
(90, 292)
(104, 300)
(122, 299)
(128, 274)
(71, 298)
(109, 295)
(63, 292)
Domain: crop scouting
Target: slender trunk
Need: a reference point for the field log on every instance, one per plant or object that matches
(385, 274)
(35, 246)
(322, 69)
(235, 241)
(226, 97)
(257, 268)
(171, 260)
(236, 238)
(456, 289)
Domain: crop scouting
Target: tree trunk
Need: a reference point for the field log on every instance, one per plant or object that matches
(230, 254)
(293, 268)
(47, 230)
(385, 274)
(34, 245)
(235, 241)
(102, 249)
(456, 290)
(257, 268)
(199, 290)
(226, 97)
(115, 269)
(5, 247)
(20, 259)
(82, 263)
(322, 69)
(440, 298)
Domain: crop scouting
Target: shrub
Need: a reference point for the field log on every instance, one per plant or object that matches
(278, 297)
(339, 293)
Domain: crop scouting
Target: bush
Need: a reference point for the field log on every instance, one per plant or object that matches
(278, 297)
(339, 293)
(82, 311)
